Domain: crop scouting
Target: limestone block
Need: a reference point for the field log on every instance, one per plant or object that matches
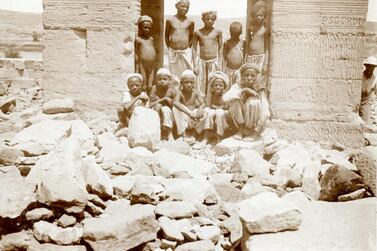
(65, 51)
(105, 51)
(366, 162)
(144, 128)
(15, 194)
(59, 106)
(331, 132)
(93, 15)
(48, 232)
(123, 230)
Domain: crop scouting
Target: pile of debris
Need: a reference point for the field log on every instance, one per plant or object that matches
(66, 184)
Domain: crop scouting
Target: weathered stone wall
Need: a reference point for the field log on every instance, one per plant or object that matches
(89, 50)
(21, 73)
(317, 51)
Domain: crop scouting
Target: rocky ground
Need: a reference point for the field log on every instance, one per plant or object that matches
(70, 184)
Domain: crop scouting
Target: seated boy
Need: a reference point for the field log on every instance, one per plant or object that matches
(161, 100)
(248, 103)
(132, 97)
(216, 110)
(189, 105)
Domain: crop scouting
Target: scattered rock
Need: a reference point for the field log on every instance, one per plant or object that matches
(145, 193)
(338, 181)
(15, 194)
(123, 185)
(250, 162)
(123, 230)
(231, 145)
(175, 209)
(46, 133)
(39, 214)
(366, 162)
(17, 241)
(9, 155)
(98, 181)
(53, 247)
(48, 232)
(209, 233)
(234, 226)
(359, 194)
(204, 245)
(266, 213)
(66, 221)
(31, 149)
(166, 244)
(175, 146)
(170, 230)
(144, 128)
(54, 106)
(310, 181)
(175, 162)
(59, 177)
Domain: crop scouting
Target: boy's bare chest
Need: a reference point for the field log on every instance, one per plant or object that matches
(204, 36)
(180, 25)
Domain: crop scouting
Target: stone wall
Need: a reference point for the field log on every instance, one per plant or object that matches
(89, 50)
(21, 73)
(317, 50)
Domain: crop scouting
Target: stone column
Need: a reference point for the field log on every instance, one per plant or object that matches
(89, 50)
(316, 69)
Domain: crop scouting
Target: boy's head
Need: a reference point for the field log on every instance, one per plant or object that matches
(249, 74)
(163, 77)
(135, 83)
(370, 65)
(188, 80)
(235, 30)
(218, 81)
(209, 17)
(182, 7)
(259, 11)
(145, 25)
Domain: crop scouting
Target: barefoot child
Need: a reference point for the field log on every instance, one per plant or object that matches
(216, 110)
(162, 97)
(179, 32)
(145, 52)
(210, 46)
(234, 52)
(248, 104)
(132, 97)
(189, 105)
(258, 45)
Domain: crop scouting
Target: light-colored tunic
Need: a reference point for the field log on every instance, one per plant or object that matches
(179, 61)
(205, 67)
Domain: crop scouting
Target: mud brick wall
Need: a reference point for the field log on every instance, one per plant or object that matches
(317, 50)
(89, 50)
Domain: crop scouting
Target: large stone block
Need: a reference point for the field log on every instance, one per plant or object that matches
(366, 162)
(107, 51)
(86, 14)
(345, 134)
(65, 51)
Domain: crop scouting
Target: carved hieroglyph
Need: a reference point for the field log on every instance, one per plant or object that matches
(89, 50)
(317, 51)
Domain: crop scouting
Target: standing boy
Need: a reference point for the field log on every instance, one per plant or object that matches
(234, 52)
(189, 105)
(179, 32)
(162, 97)
(145, 52)
(258, 48)
(210, 42)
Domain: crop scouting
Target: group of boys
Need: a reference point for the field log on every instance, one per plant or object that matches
(219, 84)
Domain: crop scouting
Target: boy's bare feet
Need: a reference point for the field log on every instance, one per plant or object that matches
(238, 135)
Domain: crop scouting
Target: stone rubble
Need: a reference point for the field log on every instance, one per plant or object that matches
(75, 184)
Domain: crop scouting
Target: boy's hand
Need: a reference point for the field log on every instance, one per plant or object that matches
(154, 98)
(200, 113)
(143, 96)
(194, 115)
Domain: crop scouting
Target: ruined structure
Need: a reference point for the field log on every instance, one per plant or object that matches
(317, 48)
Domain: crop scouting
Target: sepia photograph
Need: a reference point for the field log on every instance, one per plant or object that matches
(188, 125)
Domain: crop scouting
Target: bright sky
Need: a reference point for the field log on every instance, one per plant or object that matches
(225, 8)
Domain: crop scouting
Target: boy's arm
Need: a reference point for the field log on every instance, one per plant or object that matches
(202, 104)
(244, 47)
(127, 106)
(191, 33)
(194, 50)
(170, 95)
(225, 52)
(137, 55)
(220, 48)
(167, 32)
(177, 103)
(266, 50)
